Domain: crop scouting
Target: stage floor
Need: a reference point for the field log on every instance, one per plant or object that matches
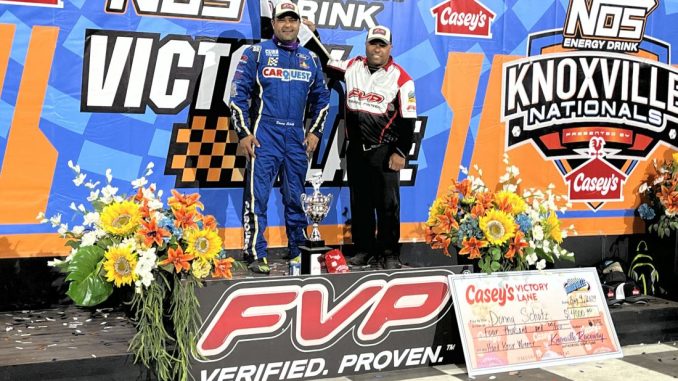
(71, 343)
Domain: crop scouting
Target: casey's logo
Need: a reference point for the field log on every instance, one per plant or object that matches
(463, 18)
(376, 307)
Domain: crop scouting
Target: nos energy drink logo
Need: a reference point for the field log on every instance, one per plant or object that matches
(594, 97)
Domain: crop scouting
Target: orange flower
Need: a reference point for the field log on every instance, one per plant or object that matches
(485, 199)
(452, 202)
(152, 233)
(184, 218)
(222, 268)
(145, 211)
(504, 204)
(472, 246)
(447, 222)
(442, 241)
(209, 222)
(478, 210)
(178, 259)
(464, 187)
(180, 201)
(669, 198)
(516, 246)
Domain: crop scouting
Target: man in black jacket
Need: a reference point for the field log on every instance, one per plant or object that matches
(380, 114)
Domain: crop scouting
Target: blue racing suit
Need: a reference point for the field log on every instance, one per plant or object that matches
(269, 95)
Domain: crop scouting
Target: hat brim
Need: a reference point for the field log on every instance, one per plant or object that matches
(382, 39)
(288, 13)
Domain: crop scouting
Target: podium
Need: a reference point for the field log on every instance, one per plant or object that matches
(310, 253)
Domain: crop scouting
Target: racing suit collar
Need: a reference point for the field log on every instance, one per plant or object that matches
(386, 66)
(286, 45)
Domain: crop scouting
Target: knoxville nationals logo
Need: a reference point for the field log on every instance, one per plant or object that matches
(597, 110)
(317, 317)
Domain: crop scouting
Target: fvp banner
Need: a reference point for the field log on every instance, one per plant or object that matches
(578, 93)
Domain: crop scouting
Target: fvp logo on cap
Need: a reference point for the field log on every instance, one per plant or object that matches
(379, 31)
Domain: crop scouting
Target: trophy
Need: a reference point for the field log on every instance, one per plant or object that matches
(316, 207)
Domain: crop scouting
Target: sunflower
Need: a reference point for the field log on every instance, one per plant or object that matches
(121, 218)
(436, 209)
(498, 226)
(552, 228)
(510, 202)
(203, 244)
(119, 265)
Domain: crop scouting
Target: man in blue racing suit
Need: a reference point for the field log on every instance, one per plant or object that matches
(273, 83)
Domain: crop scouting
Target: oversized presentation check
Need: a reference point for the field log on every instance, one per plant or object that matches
(519, 320)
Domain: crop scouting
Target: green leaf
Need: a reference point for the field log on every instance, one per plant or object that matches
(88, 287)
(73, 243)
(98, 205)
(496, 253)
(495, 266)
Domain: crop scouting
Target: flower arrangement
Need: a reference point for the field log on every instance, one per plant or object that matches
(164, 252)
(660, 209)
(503, 230)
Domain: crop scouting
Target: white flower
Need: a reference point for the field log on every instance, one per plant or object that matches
(130, 242)
(138, 183)
(149, 169)
(63, 229)
(109, 175)
(154, 205)
(89, 184)
(77, 230)
(538, 233)
(118, 198)
(541, 264)
(531, 258)
(41, 218)
(55, 262)
(81, 208)
(504, 178)
(107, 194)
(55, 220)
(511, 187)
(72, 206)
(79, 179)
(75, 168)
(93, 195)
(90, 238)
(145, 264)
(463, 170)
(90, 219)
(514, 171)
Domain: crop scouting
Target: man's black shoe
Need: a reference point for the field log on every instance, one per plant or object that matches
(392, 262)
(360, 259)
(259, 266)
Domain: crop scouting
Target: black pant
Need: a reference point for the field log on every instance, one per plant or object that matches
(374, 188)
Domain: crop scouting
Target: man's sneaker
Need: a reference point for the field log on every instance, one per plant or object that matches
(360, 259)
(392, 262)
(259, 266)
(376, 263)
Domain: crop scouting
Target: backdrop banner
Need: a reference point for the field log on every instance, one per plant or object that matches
(580, 94)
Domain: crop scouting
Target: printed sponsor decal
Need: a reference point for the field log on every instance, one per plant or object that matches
(469, 18)
(221, 10)
(367, 97)
(594, 111)
(323, 326)
(613, 25)
(35, 3)
(286, 75)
